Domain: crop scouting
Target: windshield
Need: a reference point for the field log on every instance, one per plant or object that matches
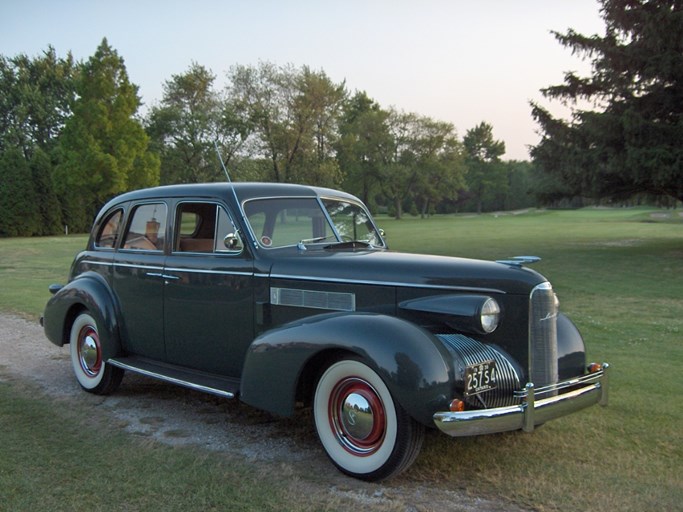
(282, 222)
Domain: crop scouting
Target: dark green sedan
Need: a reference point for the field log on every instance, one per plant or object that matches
(284, 294)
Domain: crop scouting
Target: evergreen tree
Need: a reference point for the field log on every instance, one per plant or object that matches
(48, 206)
(18, 200)
(103, 148)
(633, 141)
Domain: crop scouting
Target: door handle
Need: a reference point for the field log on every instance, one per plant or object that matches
(162, 276)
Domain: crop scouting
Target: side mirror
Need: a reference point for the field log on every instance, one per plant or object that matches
(232, 242)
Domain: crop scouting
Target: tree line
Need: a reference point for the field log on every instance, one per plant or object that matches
(71, 137)
(72, 134)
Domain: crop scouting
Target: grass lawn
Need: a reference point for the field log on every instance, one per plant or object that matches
(619, 276)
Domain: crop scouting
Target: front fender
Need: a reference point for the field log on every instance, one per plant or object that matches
(413, 363)
(88, 291)
(571, 350)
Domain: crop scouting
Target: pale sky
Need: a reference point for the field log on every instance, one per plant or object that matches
(461, 61)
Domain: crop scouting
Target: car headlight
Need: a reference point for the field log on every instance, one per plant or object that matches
(489, 316)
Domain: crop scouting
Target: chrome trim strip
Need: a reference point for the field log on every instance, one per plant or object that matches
(130, 265)
(184, 383)
(201, 271)
(174, 269)
(100, 263)
(383, 283)
(527, 415)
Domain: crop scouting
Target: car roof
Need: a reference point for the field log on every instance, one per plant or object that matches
(243, 190)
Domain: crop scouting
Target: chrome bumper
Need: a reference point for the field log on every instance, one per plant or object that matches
(589, 390)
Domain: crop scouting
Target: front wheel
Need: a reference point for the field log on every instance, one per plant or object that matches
(92, 373)
(365, 433)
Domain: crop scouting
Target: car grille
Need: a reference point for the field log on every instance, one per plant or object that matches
(474, 352)
(543, 336)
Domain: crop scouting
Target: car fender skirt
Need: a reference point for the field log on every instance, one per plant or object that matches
(412, 362)
(88, 291)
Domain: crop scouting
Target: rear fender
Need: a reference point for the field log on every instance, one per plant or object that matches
(88, 291)
(413, 363)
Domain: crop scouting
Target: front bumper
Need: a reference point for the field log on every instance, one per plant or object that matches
(585, 391)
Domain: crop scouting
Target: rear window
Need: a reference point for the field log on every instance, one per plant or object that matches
(109, 232)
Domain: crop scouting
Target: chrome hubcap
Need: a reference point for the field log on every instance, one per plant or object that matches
(89, 352)
(357, 416)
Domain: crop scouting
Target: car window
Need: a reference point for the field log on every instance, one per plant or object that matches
(227, 236)
(147, 228)
(205, 227)
(352, 222)
(287, 221)
(109, 232)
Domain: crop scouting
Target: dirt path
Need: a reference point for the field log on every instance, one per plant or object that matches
(173, 415)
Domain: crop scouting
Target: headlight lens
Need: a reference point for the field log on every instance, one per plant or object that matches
(490, 316)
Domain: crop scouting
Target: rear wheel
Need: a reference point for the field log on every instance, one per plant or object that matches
(365, 433)
(92, 373)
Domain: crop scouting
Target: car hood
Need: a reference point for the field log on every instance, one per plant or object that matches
(403, 269)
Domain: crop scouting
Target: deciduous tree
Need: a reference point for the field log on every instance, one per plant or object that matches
(364, 146)
(427, 163)
(191, 120)
(485, 174)
(294, 113)
(36, 95)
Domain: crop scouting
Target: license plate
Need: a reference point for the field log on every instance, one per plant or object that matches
(480, 377)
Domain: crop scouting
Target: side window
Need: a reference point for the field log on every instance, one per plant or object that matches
(109, 232)
(147, 229)
(228, 239)
(205, 227)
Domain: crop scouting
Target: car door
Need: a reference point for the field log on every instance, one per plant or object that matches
(138, 280)
(208, 298)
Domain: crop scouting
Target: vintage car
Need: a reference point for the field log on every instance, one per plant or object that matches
(282, 295)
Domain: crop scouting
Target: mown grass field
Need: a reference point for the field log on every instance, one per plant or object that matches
(619, 276)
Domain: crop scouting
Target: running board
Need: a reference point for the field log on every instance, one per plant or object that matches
(199, 381)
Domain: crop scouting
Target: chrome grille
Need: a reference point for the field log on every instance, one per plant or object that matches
(313, 299)
(474, 352)
(543, 336)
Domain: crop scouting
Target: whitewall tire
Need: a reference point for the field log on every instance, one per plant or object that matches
(364, 431)
(92, 373)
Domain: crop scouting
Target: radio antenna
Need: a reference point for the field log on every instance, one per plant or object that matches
(234, 194)
(220, 159)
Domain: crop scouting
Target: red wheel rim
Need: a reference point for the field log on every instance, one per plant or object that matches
(357, 416)
(89, 351)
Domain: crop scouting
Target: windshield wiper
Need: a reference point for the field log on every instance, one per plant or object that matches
(316, 240)
(351, 244)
